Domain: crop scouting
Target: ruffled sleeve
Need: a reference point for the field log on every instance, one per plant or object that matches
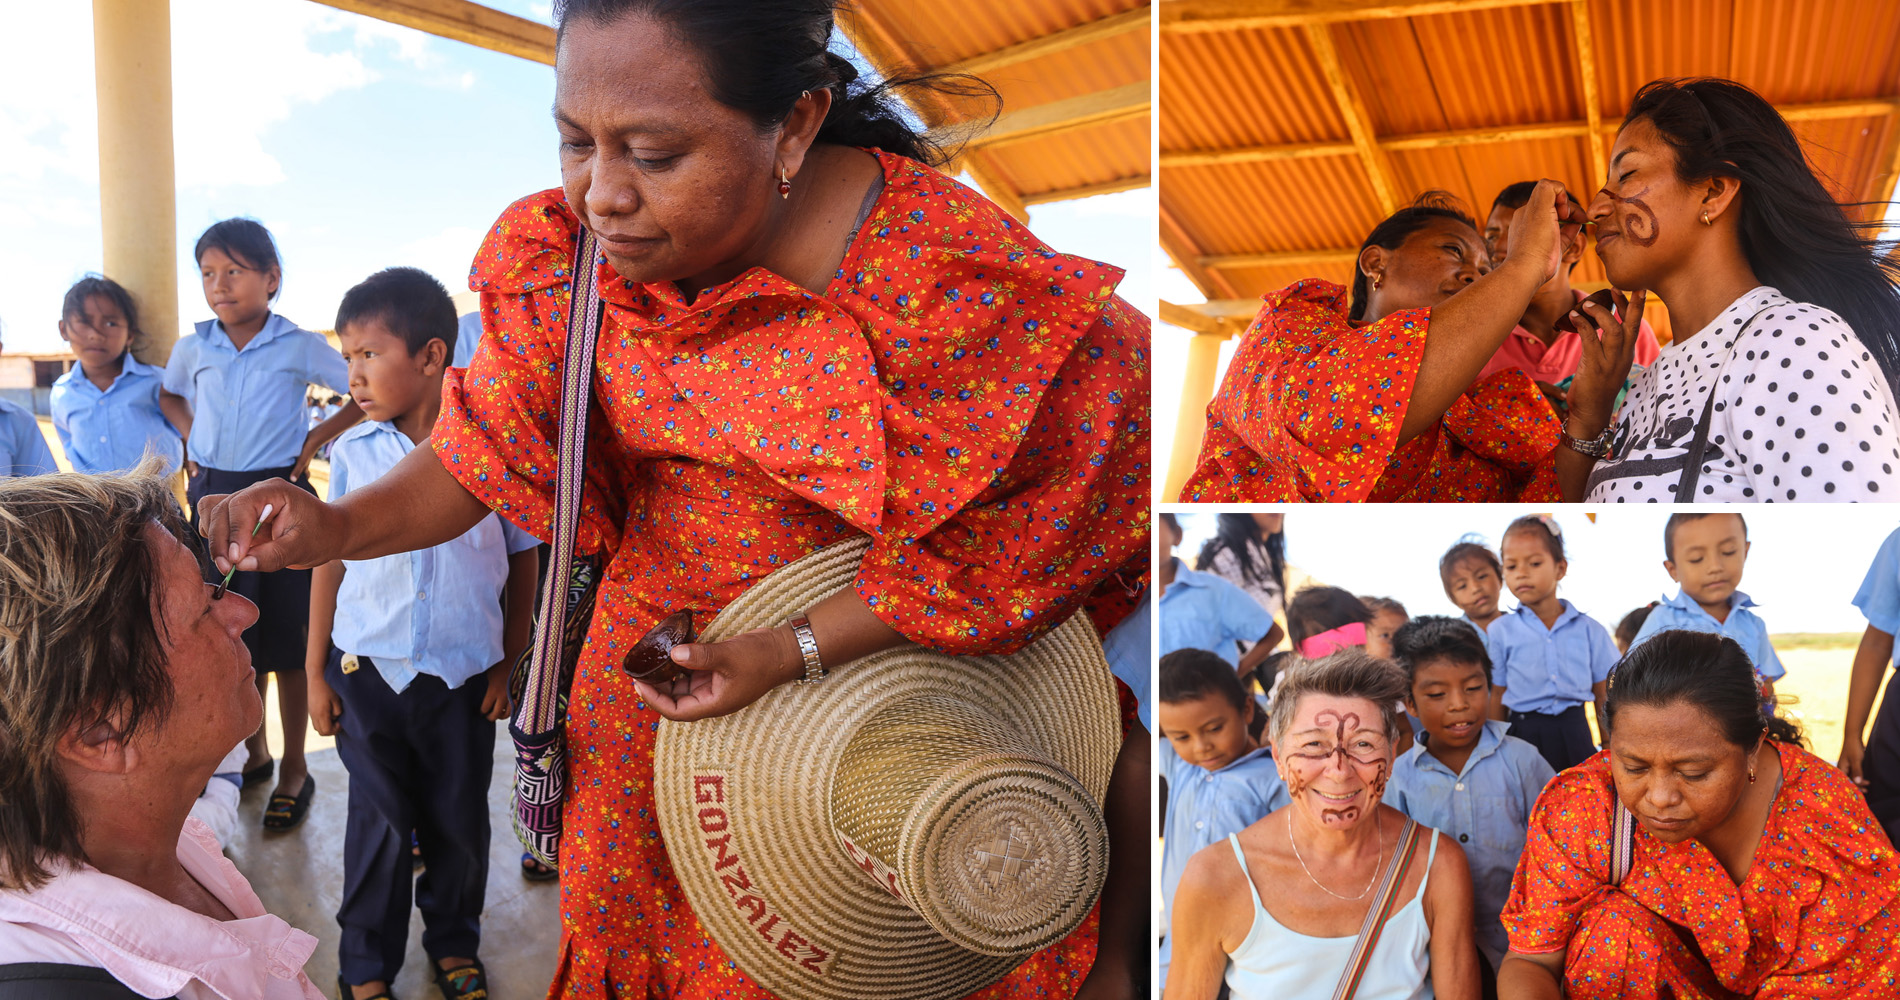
(501, 415)
(1565, 867)
(1066, 515)
(1311, 405)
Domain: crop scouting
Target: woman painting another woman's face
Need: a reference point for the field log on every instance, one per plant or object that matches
(1755, 868)
(1322, 859)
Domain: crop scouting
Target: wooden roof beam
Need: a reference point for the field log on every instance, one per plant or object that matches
(1088, 190)
(463, 21)
(1050, 44)
(1358, 120)
(1230, 15)
(1185, 253)
(1587, 70)
(1880, 185)
(1279, 259)
(1042, 121)
(1824, 111)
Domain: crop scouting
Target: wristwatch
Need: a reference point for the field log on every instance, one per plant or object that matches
(808, 648)
(1595, 447)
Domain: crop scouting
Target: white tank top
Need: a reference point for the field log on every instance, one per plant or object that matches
(1274, 963)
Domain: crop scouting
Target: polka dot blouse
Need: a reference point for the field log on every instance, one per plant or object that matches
(1802, 413)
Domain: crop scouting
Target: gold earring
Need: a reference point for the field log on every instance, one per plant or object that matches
(784, 183)
(1705, 219)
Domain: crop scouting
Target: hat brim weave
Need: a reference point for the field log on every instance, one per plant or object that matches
(744, 799)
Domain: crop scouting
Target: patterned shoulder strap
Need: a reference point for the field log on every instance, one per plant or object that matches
(1622, 841)
(1380, 910)
(541, 697)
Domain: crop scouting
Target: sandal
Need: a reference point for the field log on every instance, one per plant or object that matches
(260, 774)
(343, 991)
(535, 871)
(465, 982)
(285, 812)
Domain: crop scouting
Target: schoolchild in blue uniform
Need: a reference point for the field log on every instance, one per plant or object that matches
(1202, 611)
(23, 449)
(1706, 553)
(1547, 657)
(1220, 778)
(235, 388)
(1873, 761)
(1472, 577)
(105, 408)
(1470, 779)
(408, 662)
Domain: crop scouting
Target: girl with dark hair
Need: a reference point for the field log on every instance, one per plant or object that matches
(808, 334)
(1778, 385)
(1751, 868)
(1324, 620)
(1249, 551)
(1473, 576)
(1342, 396)
(234, 388)
(105, 408)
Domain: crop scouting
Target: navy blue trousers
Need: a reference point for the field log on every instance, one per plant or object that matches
(420, 760)
(1563, 738)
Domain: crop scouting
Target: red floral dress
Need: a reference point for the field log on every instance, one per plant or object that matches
(973, 400)
(1817, 915)
(1311, 406)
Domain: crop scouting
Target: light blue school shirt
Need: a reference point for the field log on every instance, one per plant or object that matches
(1482, 634)
(1549, 669)
(1203, 611)
(109, 431)
(468, 335)
(1879, 594)
(1743, 626)
(1127, 648)
(1486, 808)
(436, 611)
(247, 406)
(1204, 807)
(23, 450)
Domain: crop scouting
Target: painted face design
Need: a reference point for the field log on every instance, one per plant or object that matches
(1368, 756)
(1638, 221)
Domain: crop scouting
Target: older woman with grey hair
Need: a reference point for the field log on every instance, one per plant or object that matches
(1332, 856)
(123, 683)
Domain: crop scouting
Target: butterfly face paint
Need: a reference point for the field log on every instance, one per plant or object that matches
(1338, 749)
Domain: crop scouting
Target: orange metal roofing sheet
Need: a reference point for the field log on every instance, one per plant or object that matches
(934, 35)
(1509, 66)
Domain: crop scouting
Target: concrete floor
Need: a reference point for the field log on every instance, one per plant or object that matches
(299, 876)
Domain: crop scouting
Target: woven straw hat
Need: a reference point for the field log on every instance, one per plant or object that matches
(915, 825)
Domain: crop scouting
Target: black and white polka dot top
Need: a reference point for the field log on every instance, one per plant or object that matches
(1803, 413)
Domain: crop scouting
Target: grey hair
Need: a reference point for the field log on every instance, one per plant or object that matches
(1349, 673)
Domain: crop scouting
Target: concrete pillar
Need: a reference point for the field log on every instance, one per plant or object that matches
(1190, 423)
(132, 62)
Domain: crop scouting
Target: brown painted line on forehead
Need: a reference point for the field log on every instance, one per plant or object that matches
(1633, 220)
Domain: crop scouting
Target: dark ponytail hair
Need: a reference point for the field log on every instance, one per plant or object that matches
(1793, 232)
(1239, 533)
(103, 287)
(761, 55)
(1393, 231)
(1702, 669)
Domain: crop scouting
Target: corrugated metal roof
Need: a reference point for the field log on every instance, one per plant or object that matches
(1092, 54)
(1252, 85)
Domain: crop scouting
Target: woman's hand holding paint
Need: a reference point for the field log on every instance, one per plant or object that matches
(1542, 228)
(1609, 348)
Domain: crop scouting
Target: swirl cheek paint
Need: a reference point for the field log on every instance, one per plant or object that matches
(1638, 221)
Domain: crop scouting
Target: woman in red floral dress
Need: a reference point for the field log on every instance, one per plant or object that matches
(1374, 395)
(809, 335)
(1756, 869)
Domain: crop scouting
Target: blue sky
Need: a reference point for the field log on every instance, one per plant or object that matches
(1803, 569)
(360, 144)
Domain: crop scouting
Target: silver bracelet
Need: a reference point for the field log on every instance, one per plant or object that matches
(1596, 447)
(808, 648)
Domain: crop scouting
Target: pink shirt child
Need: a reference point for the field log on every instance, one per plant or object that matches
(1557, 361)
(155, 947)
